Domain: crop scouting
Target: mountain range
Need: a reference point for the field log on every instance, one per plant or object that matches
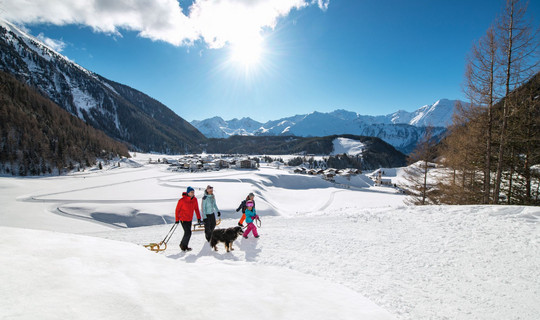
(123, 113)
(144, 124)
(401, 129)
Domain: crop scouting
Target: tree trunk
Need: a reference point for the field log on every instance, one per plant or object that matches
(511, 179)
(506, 107)
(424, 191)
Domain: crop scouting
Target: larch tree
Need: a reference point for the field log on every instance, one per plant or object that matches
(519, 49)
(481, 88)
(417, 174)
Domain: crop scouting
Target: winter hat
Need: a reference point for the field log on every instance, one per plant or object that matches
(189, 189)
(249, 203)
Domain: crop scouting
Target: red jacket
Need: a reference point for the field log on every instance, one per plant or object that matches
(185, 208)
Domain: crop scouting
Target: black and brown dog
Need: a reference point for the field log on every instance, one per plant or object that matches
(227, 236)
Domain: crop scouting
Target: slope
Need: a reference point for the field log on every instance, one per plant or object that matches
(38, 136)
(428, 262)
(89, 278)
(120, 111)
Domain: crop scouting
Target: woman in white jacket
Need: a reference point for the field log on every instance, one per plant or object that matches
(209, 210)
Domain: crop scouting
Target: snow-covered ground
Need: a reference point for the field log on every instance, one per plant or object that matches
(349, 146)
(72, 248)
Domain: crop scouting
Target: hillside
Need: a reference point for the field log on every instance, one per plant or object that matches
(118, 110)
(39, 137)
(376, 153)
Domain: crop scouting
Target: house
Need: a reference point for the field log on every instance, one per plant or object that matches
(382, 182)
(248, 164)
(352, 171)
(194, 165)
(300, 170)
(330, 171)
(209, 166)
(220, 163)
(207, 158)
(329, 174)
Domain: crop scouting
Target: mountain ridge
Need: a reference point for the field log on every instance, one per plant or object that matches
(123, 113)
(402, 129)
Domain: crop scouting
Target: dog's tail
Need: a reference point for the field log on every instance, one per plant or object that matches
(212, 242)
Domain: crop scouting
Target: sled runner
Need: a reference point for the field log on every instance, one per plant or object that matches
(162, 246)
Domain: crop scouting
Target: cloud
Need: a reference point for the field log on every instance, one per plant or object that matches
(323, 4)
(56, 45)
(216, 22)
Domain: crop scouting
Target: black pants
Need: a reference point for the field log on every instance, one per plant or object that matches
(186, 225)
(209, 226)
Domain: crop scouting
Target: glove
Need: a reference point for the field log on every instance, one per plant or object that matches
(176, 222)
(255, 217)
(199, 221)
(219, 214)
(237, 210)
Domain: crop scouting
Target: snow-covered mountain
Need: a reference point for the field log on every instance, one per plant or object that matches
(121, 112)
(216, 127)
(401, 129)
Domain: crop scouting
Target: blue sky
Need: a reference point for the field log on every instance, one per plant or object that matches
(368, 56)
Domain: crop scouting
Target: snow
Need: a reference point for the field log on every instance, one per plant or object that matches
(438, 114)
(72, 248)
(81, 98)
(79, 277)
(348, 146)
(401, 129)
(36, 45)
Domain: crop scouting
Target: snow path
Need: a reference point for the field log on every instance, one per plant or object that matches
(417, 263)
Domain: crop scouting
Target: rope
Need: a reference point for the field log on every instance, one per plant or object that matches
(169, 235)
(258, 222)
(157, 247)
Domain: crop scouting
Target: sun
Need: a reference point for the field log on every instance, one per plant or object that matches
(246, 52)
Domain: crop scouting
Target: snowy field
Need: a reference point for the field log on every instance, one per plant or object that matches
(72, 249)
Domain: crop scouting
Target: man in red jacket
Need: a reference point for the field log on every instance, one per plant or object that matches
(184, 214)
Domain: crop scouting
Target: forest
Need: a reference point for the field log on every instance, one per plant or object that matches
(491, 154)
(38, 137)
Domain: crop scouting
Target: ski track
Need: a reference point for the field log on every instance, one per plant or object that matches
(416, 263)
(330, 201)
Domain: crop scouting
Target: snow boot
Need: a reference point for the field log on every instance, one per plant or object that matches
(183, 248)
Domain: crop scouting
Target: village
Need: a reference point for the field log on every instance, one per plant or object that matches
(209, 162)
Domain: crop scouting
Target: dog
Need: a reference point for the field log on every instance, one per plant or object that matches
(227, 236)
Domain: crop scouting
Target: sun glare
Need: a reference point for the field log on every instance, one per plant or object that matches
(246, 53)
